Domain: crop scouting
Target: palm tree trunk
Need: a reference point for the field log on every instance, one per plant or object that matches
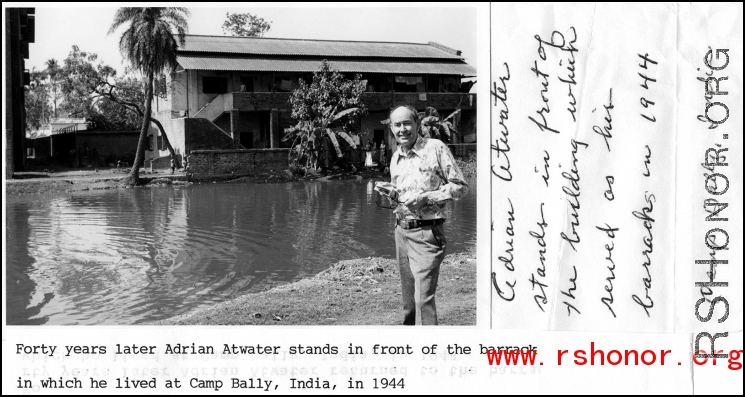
(133, 179)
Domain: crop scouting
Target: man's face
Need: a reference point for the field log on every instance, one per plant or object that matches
(404, 127)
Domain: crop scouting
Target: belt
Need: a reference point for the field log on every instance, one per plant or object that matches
(415, 223)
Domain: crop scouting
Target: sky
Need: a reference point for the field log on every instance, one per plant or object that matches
(59, 28)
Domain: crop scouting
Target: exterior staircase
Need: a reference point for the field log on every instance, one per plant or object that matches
(218, 105)
(215, 108)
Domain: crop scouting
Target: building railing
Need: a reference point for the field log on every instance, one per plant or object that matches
(375, 101)
(68, 129)
(419, 100)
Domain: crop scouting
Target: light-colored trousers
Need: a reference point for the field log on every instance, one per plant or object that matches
(420, 252)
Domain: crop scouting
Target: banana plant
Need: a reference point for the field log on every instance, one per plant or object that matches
(432, 125)
(306, 137)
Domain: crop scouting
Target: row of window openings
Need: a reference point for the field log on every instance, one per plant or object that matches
(219, 85)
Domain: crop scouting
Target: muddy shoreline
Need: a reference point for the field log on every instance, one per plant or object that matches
(363, 291)
(34, 183)
(38, 183)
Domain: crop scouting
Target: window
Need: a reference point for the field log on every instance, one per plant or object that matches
(214, 85)
(286, 83)
(450, 84)
(434, 84)
(160, 87)
(151, 142)
(408, 84)
(379, 83)
(248, 82)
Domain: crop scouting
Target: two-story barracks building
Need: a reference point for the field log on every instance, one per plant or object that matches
(233, 92)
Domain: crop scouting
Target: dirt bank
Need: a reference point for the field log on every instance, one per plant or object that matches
(351, 292)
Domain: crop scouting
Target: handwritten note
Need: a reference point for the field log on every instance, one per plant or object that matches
(583, 167)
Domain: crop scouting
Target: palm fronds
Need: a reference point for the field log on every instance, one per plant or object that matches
(150, 44)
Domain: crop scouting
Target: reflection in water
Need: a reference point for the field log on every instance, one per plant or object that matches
(136, 255)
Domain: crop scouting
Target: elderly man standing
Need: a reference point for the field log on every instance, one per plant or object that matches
(424, 177)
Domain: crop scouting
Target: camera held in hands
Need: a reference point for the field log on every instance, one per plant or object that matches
(388, 190)
(385, 189)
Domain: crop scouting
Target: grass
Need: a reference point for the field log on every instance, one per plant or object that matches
(351, 292)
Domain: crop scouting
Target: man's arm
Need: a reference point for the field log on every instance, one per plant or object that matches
(455, 185)
(389, 189)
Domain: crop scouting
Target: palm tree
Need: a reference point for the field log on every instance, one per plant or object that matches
(150, 47)
(54, 71)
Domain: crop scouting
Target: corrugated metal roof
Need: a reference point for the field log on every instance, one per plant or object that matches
(286, 65)
(325, 48)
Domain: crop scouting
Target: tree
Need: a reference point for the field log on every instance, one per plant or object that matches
(110, 102)
(110, 96)
(82, 76)
(150, 46)
(84, 87)
(125, 93)
(36, 103)
(245, 25)
(326, 111)
(54, 73)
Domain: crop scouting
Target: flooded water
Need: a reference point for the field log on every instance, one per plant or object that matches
(128, 256)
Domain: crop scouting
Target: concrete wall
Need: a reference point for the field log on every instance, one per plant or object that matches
(155, 133)
(109, 146)
(162, 163)
(42, 147)
(244, 161)
(182, 93)
(176, 133)
(177, 91)
(81, 149)
(162, 107)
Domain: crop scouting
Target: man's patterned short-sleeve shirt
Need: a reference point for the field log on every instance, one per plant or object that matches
(428, 167)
